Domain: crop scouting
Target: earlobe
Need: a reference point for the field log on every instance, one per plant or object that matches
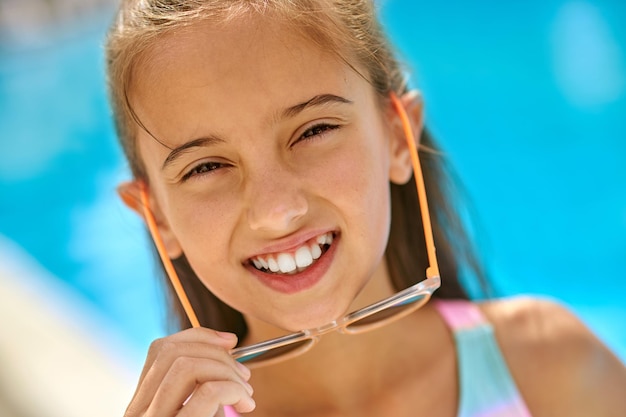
(130, 193)
(401, 169)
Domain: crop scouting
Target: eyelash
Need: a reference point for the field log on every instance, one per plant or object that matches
(311, 133)
(317, 130)
(201, 169)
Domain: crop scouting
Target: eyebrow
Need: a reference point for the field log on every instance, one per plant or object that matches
(318, 100)
(289, 112)
(178, 151)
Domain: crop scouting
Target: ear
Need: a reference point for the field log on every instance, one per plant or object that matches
(400, 168)
(130, 193)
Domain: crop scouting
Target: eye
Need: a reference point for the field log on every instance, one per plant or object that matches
(317, 130)
(203, 168)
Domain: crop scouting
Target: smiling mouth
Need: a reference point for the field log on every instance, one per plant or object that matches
(294, 262)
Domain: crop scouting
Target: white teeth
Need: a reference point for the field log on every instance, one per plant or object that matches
(304, 257)
(326, 239)
(286, 263)
(272, 265)
(316, 251)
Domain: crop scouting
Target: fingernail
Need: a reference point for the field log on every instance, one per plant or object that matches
(227, 335)
(244, 369)
(252, 404)
(249, 388)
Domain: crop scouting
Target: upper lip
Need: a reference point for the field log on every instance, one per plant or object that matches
(289, 243)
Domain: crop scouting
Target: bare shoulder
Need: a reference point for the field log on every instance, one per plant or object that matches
(535, 323)
(560, 367)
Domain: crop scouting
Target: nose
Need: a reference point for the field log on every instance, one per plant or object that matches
(275, 201)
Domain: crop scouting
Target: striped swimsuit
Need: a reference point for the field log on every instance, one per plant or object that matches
(486, 386)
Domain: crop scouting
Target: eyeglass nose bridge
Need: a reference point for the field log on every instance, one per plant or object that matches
(308, 338)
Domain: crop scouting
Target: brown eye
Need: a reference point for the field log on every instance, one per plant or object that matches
(202, 169)
(317, 130)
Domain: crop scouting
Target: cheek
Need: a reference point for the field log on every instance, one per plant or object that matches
(203, 227)
(205, 236)
(359, 179)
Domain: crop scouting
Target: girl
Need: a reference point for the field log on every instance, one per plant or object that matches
(272, 148)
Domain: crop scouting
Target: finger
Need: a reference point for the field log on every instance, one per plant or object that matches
(172, 351)
(185, 376)
(166, 364)
(165, 351)
(196, 335)
(209, 397)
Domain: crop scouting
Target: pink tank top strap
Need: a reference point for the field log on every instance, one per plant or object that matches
(460, 314)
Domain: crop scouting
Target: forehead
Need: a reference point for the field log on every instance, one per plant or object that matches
(247, 66)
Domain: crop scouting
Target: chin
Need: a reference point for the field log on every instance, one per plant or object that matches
(313, 317)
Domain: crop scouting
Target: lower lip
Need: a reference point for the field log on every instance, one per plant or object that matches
(291, 284)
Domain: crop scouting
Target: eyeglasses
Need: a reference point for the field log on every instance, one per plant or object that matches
(362, 320)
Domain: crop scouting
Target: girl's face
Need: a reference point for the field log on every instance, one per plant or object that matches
(278, 157)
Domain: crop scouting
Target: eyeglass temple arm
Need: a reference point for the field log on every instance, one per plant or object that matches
(167, 263)
(433, 269)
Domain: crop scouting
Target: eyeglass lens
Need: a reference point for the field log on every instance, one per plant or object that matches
(275, 352)
(388, 313)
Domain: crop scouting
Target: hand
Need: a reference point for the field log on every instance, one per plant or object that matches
(191, 374)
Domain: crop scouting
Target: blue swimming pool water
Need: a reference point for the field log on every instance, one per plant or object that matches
(528, 100)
